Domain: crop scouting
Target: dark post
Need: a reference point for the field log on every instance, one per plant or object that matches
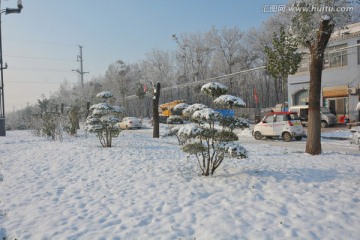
(156, 129)
(2, 104)
(87, 109)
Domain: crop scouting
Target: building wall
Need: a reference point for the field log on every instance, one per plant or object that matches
(336, 81)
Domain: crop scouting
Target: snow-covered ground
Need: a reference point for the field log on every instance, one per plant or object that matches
(145, 188)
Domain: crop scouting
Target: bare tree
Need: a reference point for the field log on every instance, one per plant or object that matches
(228, 45)
(193, 56)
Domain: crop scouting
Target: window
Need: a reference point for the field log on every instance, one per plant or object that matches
(269, 119)
(280, 118)
(335, 56)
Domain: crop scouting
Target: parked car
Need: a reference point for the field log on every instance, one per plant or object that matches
(130, 122)
(327, 118)
(286, 125)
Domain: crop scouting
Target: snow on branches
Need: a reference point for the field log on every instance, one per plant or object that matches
(104, 119)
(214, 89)
(230, 101)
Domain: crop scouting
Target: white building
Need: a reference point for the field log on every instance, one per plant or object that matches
(340, 76)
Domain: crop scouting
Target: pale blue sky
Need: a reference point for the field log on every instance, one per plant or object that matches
(40, 45)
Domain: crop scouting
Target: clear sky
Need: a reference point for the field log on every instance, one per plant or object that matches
(40, 45)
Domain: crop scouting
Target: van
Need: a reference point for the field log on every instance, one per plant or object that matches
(327, 118)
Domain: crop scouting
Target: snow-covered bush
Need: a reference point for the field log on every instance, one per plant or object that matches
(104, 119)
(188, 112)
(231, 123)
(214, 89)
(209, 145)
(179, 108)
(229, 101)
(174, 119)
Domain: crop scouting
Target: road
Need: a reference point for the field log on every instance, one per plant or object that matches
(327, 145)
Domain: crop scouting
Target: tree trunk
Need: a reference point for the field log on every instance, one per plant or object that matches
(156, 129)
(313, 144)
(317, 49)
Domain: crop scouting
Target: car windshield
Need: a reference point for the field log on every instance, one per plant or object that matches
(293, 116)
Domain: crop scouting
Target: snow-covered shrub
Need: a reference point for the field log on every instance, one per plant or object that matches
(179, 108)
(188, 111)
(73, 114)
(229, 101)
(104, 119)
(209, 145)
(214, 89)
(231, 123)
(47, 123)
(174, 119)
(173, 131)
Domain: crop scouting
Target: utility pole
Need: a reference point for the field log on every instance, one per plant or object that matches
(81, 71)
(2, 104)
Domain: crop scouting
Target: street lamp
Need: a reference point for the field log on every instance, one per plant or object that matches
(2, 104)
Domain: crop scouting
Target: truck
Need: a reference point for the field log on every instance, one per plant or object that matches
(327, 118)
(166, 110)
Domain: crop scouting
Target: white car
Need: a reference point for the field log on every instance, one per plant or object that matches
(286, 125)
(130, 122)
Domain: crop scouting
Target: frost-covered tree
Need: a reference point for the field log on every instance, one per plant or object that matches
(312, 25)
(209, 145)
(228, 46)
(282, 58)
(104, 119)
(214, 89)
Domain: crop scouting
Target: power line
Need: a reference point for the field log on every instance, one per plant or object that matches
(39, 42)
(38, 69)
(41, 58)
(203, 81)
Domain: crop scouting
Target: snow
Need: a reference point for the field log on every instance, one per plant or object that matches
(146, 188)
(205, 114)
(213, 85)
(104, 94)
(101, 106)
(192, 108)
(325, 17)
(180, 106)
(190, 129)
(358, 107)
(227, 99)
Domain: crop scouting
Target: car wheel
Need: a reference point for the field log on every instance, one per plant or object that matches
(324, 124)
(257, 135)
(287, 137)
(298, 138)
